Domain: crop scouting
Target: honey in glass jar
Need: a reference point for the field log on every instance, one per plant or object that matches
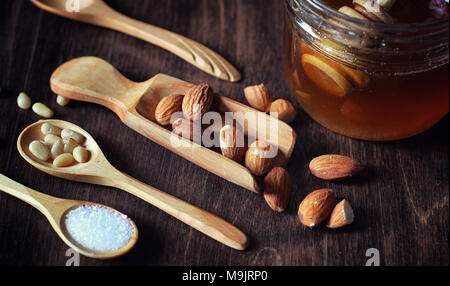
(369, 74)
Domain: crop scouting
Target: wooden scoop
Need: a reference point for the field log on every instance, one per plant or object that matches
(99, 171)
(98, 13)
(55, 209)
(94, 80)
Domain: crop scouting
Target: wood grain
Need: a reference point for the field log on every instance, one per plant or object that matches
(401, 204)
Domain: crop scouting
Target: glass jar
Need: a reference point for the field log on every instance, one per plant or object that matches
(366, 80)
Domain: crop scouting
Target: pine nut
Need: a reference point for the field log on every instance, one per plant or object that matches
(57, 148)
(39, 150)
(69, 145)
(80, 154)
(23, 101)
(63, 160)
(61, 100)
(50, 139)
(42, 110)
(70, 134)
(47, 128)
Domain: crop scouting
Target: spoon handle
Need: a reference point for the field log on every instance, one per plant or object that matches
(32, 197)
(203, 221)
(187, 49)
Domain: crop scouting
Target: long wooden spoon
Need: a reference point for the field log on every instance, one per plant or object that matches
(55, 210)
(99, 171)
(94, 80)
(98, 13)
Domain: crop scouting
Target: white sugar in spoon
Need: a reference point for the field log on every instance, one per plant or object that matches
(56, 210)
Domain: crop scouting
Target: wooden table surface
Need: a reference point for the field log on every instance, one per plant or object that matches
(401, 205)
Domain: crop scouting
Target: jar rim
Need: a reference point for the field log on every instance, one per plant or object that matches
(400, 48)
(380, 27)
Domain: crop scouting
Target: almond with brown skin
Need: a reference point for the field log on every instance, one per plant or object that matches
(232, 143)
(341, 215)
(259, 97)
(316, 207)
(334, 167)
(277, 189)
(285, 110)
(197, 101)
(258, 158)
(166, 107)
(185, 128)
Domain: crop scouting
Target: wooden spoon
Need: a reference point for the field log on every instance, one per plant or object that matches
(99, 171)
(98, 13)
(55, 209)
(94, 80)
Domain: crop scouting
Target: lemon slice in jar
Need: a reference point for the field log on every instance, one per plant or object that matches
(325, 76)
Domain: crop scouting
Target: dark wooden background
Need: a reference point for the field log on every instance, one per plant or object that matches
(401, 204)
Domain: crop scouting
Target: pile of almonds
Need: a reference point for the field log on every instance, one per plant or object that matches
(194, 104)
(198, 101)
(259, 97)
(277, 183)
(319, 205)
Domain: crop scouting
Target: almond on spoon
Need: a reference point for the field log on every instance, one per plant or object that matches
(232, 143)
(259, 97)
(197, 101)
(167, 107)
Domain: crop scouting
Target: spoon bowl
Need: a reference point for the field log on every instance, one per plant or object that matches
(94, 80)
(81, 172)
(99, 171)
(56, 210)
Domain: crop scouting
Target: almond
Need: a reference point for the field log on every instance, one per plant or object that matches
(185, 128)
(258, 158)
(215, 127)
(285, 109)
(259, 97)
(166, 107)
(341, 215)
(316, 207)
(197, 101)
(277, 189)
(334, 167)
(232, 143)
